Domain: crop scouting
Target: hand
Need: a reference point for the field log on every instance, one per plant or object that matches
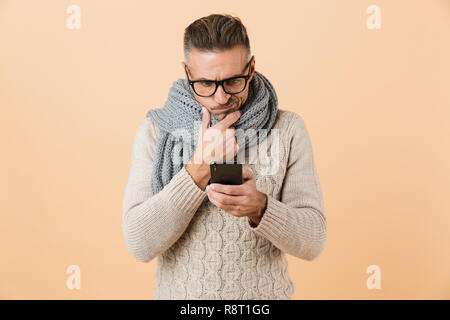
(205, 153)
(239, 200)
(216, 143)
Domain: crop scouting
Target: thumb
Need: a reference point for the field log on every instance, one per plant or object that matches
(247, 173)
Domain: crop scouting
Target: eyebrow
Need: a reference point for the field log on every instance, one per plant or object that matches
(236, 75)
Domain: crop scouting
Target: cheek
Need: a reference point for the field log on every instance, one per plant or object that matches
(238, 101)
(206, 102)
(242, 98)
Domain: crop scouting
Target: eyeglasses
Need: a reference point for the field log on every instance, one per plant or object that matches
(207, 88)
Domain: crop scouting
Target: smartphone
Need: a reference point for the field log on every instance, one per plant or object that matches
(226, 173)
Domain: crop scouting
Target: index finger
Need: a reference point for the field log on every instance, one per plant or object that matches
(247, 173)
(228, 120)
(230, 189)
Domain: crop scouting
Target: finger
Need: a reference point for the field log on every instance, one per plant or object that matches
(230, 189)
(227, 200)
(247, 174)
(230, 149)
(200, 155)
(237, 211)
(205, 119)
(228, 120)
(229, 138)
(236, 146)
(229, 132)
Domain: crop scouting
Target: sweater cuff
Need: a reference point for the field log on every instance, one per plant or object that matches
(184, 192)
(273, 222)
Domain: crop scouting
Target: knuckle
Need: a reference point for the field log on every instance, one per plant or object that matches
(219, 198)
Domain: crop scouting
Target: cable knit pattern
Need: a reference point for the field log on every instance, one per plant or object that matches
(205, 253)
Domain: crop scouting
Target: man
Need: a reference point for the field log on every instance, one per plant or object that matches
(218, 241)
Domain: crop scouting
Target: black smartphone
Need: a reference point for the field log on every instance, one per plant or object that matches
(226, 173)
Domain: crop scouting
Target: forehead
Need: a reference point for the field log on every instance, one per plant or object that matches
(217, 65)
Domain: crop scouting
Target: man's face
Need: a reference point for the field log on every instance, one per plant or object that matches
(218, 66)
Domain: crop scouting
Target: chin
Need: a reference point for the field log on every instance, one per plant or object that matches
(219, 116)
(231, 110)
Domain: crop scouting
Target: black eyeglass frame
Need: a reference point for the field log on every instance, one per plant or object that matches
(220, 82)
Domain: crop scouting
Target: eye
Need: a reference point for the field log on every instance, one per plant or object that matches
(234, 81)
(205, 83)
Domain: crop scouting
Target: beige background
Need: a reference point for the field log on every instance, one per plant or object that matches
(376, 104)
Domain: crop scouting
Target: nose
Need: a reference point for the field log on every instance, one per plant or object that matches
(221, 97)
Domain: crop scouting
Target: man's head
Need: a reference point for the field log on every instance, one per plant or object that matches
(217, 47)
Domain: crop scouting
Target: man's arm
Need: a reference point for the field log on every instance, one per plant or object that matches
(153, 223)
(297, 223)
(199, 172)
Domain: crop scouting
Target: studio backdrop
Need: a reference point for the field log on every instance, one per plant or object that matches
(369, 78)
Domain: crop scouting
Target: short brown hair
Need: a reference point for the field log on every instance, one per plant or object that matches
(215, 32)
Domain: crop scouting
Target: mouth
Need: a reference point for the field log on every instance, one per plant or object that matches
(227, 107)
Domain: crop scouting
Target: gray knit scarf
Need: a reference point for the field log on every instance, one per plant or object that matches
(182, 112)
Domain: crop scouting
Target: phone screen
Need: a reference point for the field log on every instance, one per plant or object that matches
(226, 173)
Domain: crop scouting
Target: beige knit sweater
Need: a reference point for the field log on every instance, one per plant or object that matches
(204, 252)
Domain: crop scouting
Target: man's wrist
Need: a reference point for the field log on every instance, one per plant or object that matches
(256, 219)
(200, 174)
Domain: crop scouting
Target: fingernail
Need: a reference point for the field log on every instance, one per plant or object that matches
(212, 186)
(207, 188)
(203, 109)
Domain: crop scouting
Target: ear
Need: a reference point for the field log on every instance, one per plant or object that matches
(252, 67)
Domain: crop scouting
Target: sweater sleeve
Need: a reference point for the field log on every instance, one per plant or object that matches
(297, 223)
(151, 224)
